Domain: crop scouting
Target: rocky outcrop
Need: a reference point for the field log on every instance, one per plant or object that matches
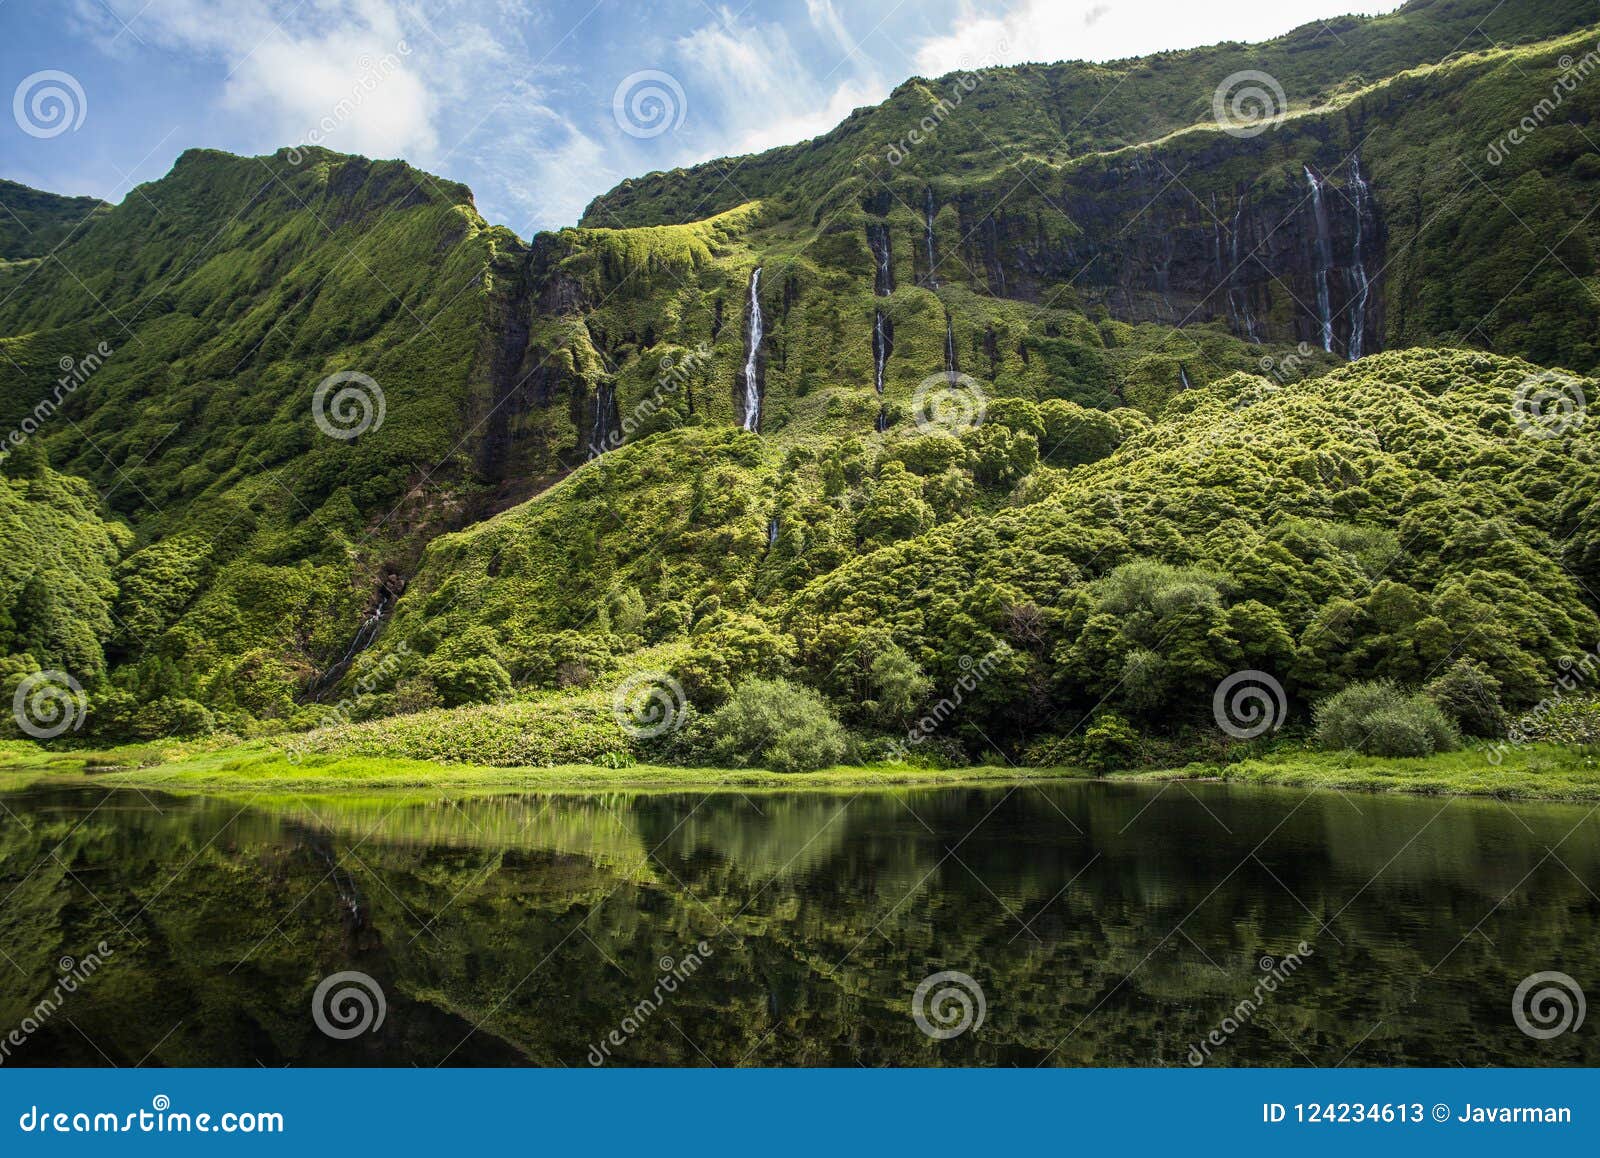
(1274, 260)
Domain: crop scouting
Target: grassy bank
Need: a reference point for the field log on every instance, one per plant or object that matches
(263, 768)
(1534, 772)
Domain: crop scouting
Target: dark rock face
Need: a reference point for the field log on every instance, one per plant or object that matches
(1136, 239)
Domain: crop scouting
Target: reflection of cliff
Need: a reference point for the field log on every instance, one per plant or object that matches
(515, 929)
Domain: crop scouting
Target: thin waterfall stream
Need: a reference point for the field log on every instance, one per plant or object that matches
(1324, 263)
(752, 386)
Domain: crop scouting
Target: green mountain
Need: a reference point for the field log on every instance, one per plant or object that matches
(1049, 425)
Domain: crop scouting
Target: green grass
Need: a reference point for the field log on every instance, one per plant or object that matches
(1535, 772)
(259, 767)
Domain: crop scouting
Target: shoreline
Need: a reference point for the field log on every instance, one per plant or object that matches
(1534, 773)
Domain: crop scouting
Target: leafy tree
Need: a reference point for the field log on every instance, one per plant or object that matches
(781, 725)
(1377, 718)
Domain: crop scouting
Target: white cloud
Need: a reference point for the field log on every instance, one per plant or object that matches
(340, 72)
(1050, 30)
(761, 92)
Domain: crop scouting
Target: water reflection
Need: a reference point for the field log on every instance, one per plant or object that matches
(1106, 924)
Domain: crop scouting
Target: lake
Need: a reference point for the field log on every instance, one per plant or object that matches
(1079, 923)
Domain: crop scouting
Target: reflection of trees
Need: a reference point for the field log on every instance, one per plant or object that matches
(547, 917)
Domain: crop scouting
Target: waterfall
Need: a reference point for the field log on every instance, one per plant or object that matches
(1358, 270)
(950, 366)
(1324, 259)
(881, 423)
(1183, 377)
(927, 233)
(883, 277)
(880, 350)
(882, 328)
(1238, 297)
(752, 388)
(772, 531)
(600, 428)
(371, 624)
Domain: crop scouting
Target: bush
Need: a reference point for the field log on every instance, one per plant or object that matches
(469, 681)
(773, 722)
(1109, 744)
(1468, 692)
(1377, 718)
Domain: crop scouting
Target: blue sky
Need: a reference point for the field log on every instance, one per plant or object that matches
(538, 106)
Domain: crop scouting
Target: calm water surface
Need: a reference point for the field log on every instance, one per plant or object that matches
(1105, 925)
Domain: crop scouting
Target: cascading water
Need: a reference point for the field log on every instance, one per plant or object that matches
(882, 328)
(927, 234)
(1237, 296)
(1324, 259)
(1183, 377)
(752, 387)
(880, 351)
(600, 433)
(950, 366)
(1360, 286)
(882, 257)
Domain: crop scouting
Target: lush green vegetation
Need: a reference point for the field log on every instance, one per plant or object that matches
(1141, 502)
(1536, 772)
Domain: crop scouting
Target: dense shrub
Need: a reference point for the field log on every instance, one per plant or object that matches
(780, 725)
(1471, 695)
(1377, 718)
(474, 680)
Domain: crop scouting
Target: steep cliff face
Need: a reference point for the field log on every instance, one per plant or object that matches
(1129, 240)
(1344, 225)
